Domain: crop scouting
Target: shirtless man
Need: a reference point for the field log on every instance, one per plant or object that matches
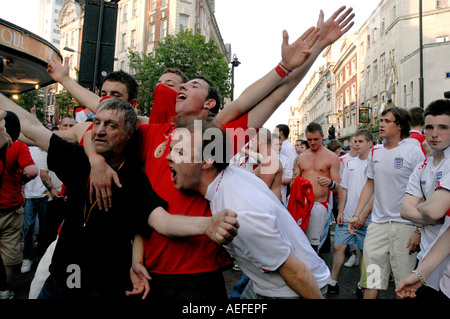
(321, 167)
(270, 170)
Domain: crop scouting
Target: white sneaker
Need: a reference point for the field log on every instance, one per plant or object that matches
(26, 266)
(6, 294)
(352, 261)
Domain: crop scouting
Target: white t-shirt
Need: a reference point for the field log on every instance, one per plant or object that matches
(56, 182)
(267, 232)
(390, 170)
(353, 179)
(35, 188)
(288, 171)
(287, 149)
(343, 160)
(444, 282)
(422, 184)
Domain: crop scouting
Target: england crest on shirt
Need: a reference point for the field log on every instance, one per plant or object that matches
(398, 162)
(438, 178)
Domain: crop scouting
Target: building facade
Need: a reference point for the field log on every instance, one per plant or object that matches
(141, 24)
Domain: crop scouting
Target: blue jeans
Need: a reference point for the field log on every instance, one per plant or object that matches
(239, 287)
(33, 207)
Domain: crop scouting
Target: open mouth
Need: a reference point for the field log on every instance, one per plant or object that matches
(181, 96)
(173, 174)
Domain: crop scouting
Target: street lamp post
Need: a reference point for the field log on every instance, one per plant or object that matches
(234, 64)
(421, 88)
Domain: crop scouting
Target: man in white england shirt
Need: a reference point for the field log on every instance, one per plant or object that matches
(388, 236)
(423, 184)
(290, 270)
(353, 179)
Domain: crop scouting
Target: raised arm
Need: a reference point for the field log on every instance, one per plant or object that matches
(329, 31)
(60, 73)
(29, 124)
(293, 55)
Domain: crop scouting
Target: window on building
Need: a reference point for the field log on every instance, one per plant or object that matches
(134, 9)
(367, 76)
(184, 22)
(368, 41)
(441, 4)
(374, 35)
(404, 95)
(153, 5)
(163, 28)
(133, 39)
(125, 13)
(383, 64)
(443, 38)
(163, 3)
(353, 65)
(347, 71)
(353, 93)
(72, 38)
(151, 33)
(375, 70)
(411, 92)
(123, 43)
(393, 14)
(383, 26)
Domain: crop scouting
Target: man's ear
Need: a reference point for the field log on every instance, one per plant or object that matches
(209, 104)
(207, 163)
(133, 102)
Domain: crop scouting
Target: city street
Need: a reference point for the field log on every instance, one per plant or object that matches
(347, 280)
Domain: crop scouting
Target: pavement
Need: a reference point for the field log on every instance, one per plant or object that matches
(348, 279)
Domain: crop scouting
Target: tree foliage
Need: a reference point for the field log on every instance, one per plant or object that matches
(65, 101)
(185, 51)
(32, 99)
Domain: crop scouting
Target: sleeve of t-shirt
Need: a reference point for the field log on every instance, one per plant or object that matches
(257, 233)
(413, 188)
(24, 156)
(417, 156)
(344, 177)
(370, 173)
(444, 182)
(43, 164)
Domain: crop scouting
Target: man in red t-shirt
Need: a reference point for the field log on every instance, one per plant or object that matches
(19, 169)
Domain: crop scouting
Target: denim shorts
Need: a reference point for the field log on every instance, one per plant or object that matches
(343, 237)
